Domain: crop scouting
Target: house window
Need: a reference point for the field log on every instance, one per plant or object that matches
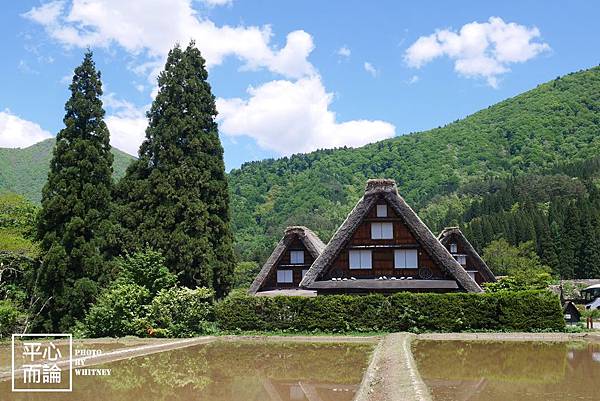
(382, 231)
(304, 272)
(381, 210)
(461, 259)
(472, 273)
(453, 248)
(297, 257)
(360, 259)
(285, 276)
(406, 259)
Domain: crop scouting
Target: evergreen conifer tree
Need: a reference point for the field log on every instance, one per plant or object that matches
(174, 198)
(589, 253)
(73, 223)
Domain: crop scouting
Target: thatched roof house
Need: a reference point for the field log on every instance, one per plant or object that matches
(383, 246)
(571, 313)
(461, 249)
(288, 262)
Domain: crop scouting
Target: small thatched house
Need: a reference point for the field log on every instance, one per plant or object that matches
(289, 262)
(383, 246)
(466, 256)
(571, 313)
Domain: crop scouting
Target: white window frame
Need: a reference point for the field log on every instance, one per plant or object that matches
(472, 273)
(382, 230)
(401, 261)
(382, 211)
(285, 276)
(364, 258)
(298, 260)
(459, 257)
(453, 247)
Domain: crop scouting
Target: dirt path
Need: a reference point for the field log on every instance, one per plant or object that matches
(392, 374)
(547, 337)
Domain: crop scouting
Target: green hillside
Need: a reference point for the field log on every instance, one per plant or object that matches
(24, 171)
(441, 172)
(556, 122)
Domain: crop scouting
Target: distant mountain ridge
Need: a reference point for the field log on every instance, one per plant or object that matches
(24, 170)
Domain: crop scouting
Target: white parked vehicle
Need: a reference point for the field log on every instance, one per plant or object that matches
(591, 295)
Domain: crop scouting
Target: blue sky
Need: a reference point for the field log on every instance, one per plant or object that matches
(290, 76)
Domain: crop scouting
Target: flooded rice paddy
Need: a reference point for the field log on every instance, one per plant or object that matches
(500, 371)
(225, 371)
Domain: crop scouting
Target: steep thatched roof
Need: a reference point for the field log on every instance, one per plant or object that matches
(311, 241)
(450, 233)
(386, 189)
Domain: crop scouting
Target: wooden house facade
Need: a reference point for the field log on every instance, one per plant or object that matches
(289, 261)
(383, 246)
(461, 249)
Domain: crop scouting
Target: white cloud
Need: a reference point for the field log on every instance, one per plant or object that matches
(153, 28)
(46, 13)
(413, 80)
(290, 117)
(126, 123)
(16, 132)
(370, 69)
(479, 50)
(344, 51)
(216, 3)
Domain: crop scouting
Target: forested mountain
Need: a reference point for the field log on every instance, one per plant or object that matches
(480, 172)
(557, 122)
(558, 211)
(24, 171)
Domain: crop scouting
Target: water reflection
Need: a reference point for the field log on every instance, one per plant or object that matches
(491, 371)
(225, 371)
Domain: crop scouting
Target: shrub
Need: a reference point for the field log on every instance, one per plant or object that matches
(146, 269)
(9, 318)
(119, 311)
(526, 280)
(503, 311)
(182, 312)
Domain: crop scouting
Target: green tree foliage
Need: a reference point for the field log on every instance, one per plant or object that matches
(244, 274)
(559, 210)
(521, 281)
(143, 300)
(505, 259)
(174, 197)
(147, 269)
(183, 312)
(17, 225)
(9, 318)
(119, 311)
(73, 225)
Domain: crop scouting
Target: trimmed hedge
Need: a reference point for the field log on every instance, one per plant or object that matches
(501, 311)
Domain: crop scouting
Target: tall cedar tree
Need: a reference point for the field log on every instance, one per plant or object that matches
(76, 201)
(174, 198)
